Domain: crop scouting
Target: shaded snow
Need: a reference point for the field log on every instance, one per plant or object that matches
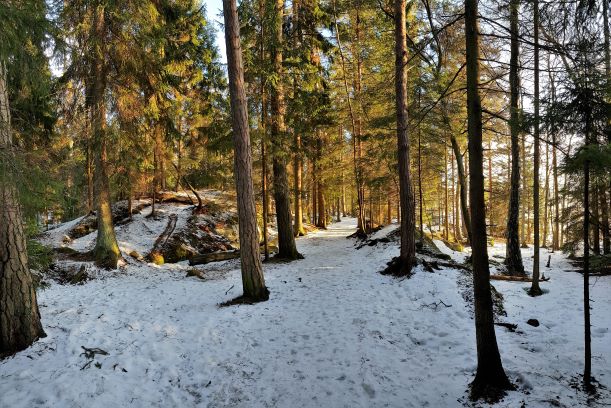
(335, 333)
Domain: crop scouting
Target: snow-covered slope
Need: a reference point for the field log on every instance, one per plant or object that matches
(334, 333)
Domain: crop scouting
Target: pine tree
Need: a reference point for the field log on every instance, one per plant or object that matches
(20, 324)
(252, 271)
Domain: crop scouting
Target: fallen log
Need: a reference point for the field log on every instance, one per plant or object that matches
(516, 278)
(172, 197)
(213, 257)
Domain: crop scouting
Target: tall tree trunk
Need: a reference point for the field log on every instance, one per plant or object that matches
(19, 316)
(406, 194)
(420, 195)
(263, 127)
(535, 290)
(359, 121)
(556, 236)
(106, 250)
(490, 378)
(298, 229)
(264, 184)
(587, 371)
(253, 282)
(287, 249)
(605, 221)
(513, 257)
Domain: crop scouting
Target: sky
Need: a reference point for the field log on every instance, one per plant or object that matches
(214, 11)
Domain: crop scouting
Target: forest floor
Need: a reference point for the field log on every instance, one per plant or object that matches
(335, 333)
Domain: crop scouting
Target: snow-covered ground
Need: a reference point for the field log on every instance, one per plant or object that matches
(334, 333)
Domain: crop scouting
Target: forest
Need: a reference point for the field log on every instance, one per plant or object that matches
(315, 203)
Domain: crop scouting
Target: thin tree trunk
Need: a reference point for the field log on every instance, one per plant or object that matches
(446, 203)
(89, 171)
(253, 281)
(314, 193)
(513, 257)
(595, 220)
(490, 378)
(556, 236)
(264, 184)
(19, 315)
(604, 206)
(420, 196)
(297, 174)
(546, 198)
(535, 290)
(406, 194)
(462, 181)
(457, 235)
(490, 188)
(587, 371)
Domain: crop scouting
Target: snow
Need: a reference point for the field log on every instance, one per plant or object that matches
(335, 333)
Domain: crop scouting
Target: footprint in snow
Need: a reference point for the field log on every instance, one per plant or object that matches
(369, 390)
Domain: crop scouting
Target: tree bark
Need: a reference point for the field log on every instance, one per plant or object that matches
(406, 194)
(253, 281)
(107, 253)
(19, 315)
(490, 377)
(513, 257)
(287, 249)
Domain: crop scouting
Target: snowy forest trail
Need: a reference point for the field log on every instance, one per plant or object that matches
(335, 333)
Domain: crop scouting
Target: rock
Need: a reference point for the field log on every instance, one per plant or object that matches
(156, 258)
(134, 254)
(533, 322)
(195, 272)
